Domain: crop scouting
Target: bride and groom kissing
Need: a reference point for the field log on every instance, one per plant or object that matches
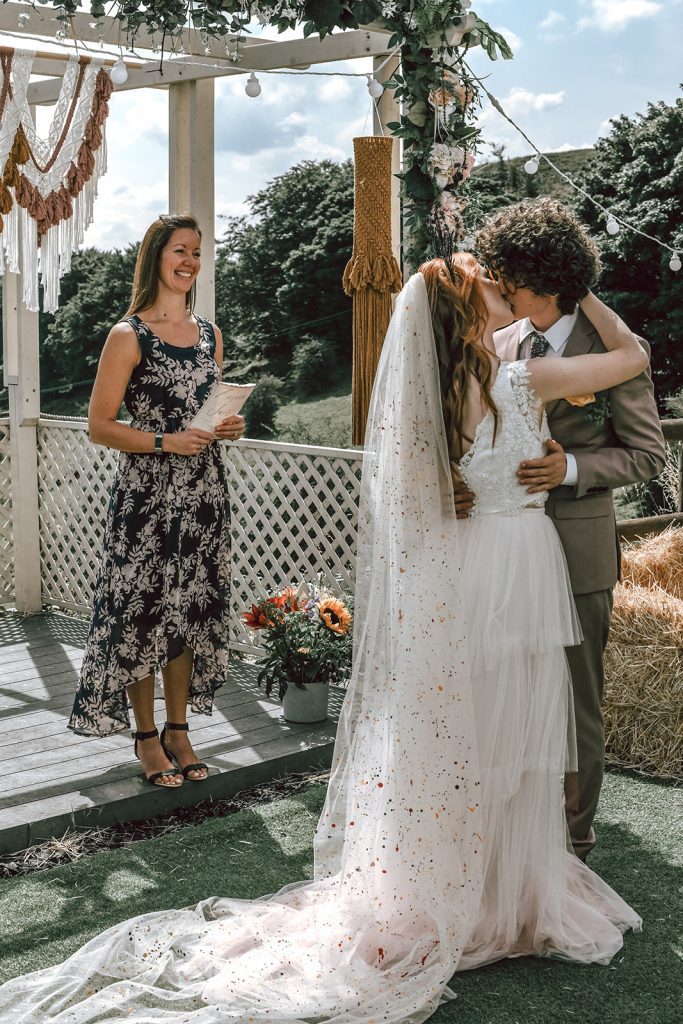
(477, 676)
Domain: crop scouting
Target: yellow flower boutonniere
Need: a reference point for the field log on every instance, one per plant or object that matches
(581, 400)
(597, 407)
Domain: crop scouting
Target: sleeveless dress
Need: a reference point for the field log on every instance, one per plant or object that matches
(538, 898)
(163, 582)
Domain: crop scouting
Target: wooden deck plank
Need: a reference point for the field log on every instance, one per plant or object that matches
(55, 779)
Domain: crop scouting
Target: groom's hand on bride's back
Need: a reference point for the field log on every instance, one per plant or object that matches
(544, 474)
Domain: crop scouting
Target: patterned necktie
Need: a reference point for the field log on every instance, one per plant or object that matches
(539, 345)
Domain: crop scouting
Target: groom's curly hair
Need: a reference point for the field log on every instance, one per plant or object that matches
(539, 244)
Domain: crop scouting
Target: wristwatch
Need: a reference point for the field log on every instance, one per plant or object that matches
(159, 444)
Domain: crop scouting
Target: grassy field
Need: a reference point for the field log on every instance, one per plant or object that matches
(325, 422)
(47, 915)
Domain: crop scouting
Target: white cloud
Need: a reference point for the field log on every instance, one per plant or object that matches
(567, 147)
(334, 89)
(518, 101)
(552, 21)
(615, 15)
(513, 39)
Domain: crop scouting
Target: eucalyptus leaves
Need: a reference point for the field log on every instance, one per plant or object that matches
(438, 94)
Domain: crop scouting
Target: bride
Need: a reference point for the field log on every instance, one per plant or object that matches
(442, 842)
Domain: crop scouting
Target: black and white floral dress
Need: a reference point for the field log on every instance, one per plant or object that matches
(163, 584)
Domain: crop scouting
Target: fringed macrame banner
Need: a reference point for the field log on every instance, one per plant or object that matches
(372, 274)
(49, 185)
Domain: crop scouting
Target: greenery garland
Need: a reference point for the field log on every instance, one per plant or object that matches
(439, 97)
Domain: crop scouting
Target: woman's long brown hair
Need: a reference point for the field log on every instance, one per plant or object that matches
(459, 313)
(146, 276)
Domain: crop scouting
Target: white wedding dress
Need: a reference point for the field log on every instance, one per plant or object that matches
(537, 898)
(441, 844)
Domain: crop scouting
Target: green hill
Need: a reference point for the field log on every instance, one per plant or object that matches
(510, 173)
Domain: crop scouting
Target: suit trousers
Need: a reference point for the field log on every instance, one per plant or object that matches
(582, 789)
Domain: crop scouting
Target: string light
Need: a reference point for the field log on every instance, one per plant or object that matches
(375, 88)
(612, 227)
(675, 263)
(531, 166)
(253, 86)
(119, 73)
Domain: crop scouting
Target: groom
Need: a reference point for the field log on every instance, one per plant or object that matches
(544, 262)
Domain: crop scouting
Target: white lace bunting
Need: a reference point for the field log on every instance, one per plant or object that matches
(49, 184)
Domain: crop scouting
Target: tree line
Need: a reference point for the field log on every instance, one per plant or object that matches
(279, 300)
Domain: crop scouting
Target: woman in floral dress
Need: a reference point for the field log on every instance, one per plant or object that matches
(161, 598)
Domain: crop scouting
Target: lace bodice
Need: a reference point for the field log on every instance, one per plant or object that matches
(490, 470)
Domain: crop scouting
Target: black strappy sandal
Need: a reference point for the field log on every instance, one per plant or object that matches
(183, 727)
(152, 779)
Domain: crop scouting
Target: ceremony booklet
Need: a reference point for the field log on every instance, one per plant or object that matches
(224, 400)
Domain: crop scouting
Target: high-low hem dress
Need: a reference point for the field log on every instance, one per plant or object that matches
(163, 583)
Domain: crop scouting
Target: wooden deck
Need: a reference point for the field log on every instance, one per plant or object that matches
(53, 780)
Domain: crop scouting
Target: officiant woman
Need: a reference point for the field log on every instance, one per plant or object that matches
(161, 597)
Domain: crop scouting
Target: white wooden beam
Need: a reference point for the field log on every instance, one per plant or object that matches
(385, 110)
(261, 57)
(191, 173)
(22, 377)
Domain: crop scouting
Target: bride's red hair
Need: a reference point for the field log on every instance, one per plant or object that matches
(459, 315)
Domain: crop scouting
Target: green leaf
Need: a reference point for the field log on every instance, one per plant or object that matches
(418, 185)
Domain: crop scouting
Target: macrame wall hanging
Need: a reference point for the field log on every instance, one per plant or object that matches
(372, 274)
(48, 185)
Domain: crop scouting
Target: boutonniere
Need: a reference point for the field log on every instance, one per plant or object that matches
(597, 407)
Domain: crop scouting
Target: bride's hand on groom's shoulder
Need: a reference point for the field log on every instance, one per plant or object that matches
(463, 497)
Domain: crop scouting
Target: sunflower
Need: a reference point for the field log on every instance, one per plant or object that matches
(335, 614)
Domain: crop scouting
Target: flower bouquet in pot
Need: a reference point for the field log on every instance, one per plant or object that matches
(306, 634)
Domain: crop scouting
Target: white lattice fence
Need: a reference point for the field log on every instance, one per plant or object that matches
(74, 478)
(294, 511)
(6, 544)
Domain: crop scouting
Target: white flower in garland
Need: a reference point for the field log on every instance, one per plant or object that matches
(445, 162)
(389, 8)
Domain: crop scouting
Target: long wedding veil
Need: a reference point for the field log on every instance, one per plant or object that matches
(378, 933)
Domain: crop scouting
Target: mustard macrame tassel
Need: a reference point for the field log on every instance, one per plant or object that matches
(372, 274)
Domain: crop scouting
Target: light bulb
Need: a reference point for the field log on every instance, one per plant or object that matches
(375, 88)
(119, 73)
(612, 225)
(675, 262)
(253, 86)
(531, 166)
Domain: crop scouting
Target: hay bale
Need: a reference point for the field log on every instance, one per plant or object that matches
(656, 561)
(643, 704)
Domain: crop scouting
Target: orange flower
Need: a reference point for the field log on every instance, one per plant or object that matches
(291, 596)
(262, 615)
(257, 618)
(335, 614)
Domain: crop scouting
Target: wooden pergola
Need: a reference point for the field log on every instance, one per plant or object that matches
(190, 82)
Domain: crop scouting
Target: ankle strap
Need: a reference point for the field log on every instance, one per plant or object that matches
(145, 735)
(181, 726)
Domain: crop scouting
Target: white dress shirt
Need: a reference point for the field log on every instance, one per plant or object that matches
(557, 336)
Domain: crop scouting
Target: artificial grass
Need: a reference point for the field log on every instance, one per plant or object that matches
(47, 915)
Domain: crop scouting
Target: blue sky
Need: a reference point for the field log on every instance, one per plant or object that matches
(577, 64)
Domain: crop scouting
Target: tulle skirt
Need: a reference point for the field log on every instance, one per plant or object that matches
(538, 898)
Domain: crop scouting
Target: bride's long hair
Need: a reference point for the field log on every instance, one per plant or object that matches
(459, 314)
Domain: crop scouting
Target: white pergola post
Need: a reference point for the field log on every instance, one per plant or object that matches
(22, 378)
(390, 110)
(191, 173)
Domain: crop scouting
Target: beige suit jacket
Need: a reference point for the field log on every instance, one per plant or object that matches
(626, 449)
